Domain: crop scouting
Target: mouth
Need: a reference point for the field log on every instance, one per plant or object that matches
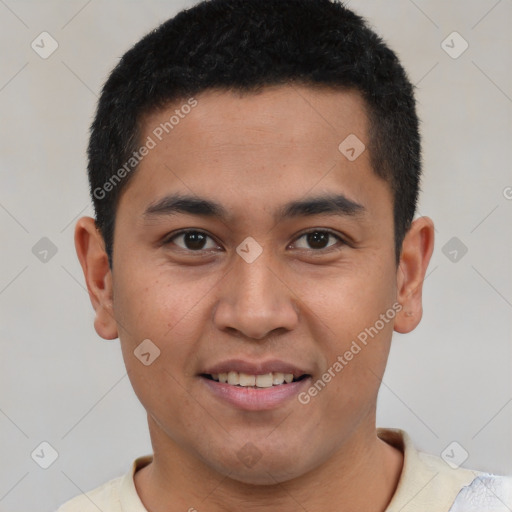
(246, 380)
(254, 386)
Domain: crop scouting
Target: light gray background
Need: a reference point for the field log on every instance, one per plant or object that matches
(450, 380)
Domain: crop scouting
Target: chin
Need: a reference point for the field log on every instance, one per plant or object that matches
(252, 467)
(263, 475)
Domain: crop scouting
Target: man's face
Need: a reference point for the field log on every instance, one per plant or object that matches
(211, 306)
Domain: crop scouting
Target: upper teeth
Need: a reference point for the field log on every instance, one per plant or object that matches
(266, 380)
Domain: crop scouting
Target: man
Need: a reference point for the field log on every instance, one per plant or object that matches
(254, 167)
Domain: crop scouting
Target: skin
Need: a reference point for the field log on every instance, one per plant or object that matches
(296, 302)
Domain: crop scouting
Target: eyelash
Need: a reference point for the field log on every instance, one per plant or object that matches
(168, 240)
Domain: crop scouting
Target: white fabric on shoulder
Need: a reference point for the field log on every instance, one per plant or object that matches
(486, 493)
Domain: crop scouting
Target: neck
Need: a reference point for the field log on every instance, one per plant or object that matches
(362, 475)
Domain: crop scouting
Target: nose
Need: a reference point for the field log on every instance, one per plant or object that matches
(254, 301)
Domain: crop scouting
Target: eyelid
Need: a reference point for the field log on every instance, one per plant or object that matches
(170, 237)
(335, 234)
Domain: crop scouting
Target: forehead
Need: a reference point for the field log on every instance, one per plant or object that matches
(283, 140)
(282, 115)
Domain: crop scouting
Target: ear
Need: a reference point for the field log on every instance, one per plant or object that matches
(417, 249)
(90, 248)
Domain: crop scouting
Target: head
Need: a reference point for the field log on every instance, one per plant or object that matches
(295, 247)
(244, 47)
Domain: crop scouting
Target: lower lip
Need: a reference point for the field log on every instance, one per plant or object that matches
(256, 399)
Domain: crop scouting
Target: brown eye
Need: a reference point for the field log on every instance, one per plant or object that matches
(318, 240)
(192, 241)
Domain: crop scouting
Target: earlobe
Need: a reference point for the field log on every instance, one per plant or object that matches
(90, 250)
(417, 249)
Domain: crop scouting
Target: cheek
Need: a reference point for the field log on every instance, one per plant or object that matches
(353, 316)
(157, 303)
(170, 310)
(347, 300)
(152, 321)
(164, 314)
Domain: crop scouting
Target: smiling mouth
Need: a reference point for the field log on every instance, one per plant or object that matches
(266, 380)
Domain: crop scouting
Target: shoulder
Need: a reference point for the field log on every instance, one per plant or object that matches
(477, 491)
(117, 495)
(430, 482)
(486, 493)
(104, 498)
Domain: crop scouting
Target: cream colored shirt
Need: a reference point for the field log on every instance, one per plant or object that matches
(427, 484)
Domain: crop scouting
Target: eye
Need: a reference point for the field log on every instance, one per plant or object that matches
(192, 240)
(318, 240)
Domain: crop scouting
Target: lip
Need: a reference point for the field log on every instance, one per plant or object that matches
(255, 399)
(256, 368)
(251, 398)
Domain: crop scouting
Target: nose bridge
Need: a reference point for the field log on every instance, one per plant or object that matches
(256, 286)
(253, 300)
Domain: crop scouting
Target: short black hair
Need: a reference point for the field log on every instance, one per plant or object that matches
(245, 45)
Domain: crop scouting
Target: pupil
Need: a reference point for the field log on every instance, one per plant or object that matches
(318, 239)
(194, 240)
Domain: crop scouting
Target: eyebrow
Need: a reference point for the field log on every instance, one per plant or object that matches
(329, 204)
